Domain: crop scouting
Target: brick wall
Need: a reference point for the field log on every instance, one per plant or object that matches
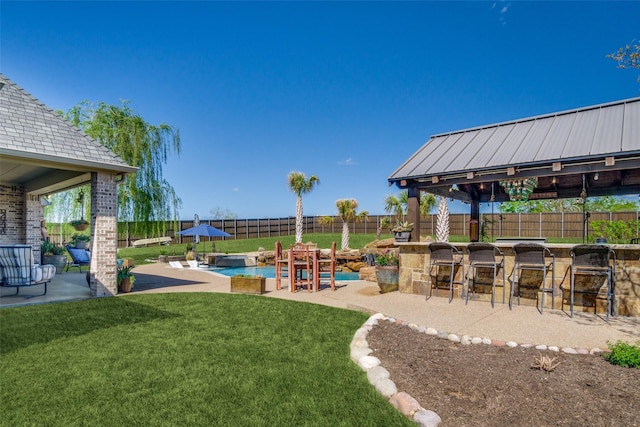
(12, 214)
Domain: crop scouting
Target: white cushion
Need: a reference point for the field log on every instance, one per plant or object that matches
(43, 273)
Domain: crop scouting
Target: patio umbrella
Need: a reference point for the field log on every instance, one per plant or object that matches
(204, 230)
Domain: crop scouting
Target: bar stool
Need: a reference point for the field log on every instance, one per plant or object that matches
(327, 270)
(483, 256)
(300, 271)
(596, 261)
(533, 257)
(281, 264)
(443, 254)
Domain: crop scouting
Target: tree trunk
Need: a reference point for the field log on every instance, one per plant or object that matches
(299, 219)
(345, 236)
(442, 221)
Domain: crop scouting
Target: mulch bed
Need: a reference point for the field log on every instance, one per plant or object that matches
(487, 385)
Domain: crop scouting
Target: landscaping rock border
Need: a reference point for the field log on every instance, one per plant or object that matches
(380, 378)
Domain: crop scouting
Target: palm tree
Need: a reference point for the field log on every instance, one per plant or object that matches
(385, 222)
(398, 204)
(299, 184)
(347, 211)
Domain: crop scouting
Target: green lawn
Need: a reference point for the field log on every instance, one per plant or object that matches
(196, 359)
(140, 255)
(323, 240)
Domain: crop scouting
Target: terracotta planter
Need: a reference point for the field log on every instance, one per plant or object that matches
(388, 278)
(81, 227)
(125, 285)
(248, 285)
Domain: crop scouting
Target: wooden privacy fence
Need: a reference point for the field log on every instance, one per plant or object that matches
(549, 225)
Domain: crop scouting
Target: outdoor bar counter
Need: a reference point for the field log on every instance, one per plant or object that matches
(414, 265)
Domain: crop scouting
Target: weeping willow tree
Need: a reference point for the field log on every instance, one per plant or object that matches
(145, 198)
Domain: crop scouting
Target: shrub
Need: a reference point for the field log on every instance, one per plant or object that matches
(388, 258)
(624, 354)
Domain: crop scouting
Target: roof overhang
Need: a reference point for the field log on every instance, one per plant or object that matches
(42, 174)
(614, 176)
(595, 149)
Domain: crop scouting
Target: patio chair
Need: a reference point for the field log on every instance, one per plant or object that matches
(482, 258)
(595, 264)
(327, 270)
(18, 269)
(532, 257)
(79, 257)
(443, 254)
(300, 267)
(281, 264)
(176, 264)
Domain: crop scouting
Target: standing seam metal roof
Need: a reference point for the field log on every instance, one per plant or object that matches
(601, 130)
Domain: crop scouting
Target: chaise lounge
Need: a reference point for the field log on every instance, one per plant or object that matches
(79, 257)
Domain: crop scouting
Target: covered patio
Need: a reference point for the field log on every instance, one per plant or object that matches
(590, 151)
(41, 154)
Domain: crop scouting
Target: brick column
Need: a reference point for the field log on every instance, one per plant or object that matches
(35, 214)
(104, 239)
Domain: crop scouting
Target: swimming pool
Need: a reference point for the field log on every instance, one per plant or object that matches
(270, 272)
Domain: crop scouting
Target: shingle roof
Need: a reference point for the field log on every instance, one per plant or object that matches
(598, 131)
(30, 129)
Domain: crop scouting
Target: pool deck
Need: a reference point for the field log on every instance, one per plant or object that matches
(523, 324)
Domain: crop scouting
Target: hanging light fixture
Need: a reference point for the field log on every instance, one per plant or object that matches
(519, 189)
(583, 193)
(493, 195)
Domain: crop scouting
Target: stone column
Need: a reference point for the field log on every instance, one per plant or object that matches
(104, 238)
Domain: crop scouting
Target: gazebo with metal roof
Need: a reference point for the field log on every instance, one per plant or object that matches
(590, 151)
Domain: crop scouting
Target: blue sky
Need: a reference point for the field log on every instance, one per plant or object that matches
(346, 91)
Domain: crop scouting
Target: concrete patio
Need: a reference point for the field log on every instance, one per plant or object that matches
(523, 324)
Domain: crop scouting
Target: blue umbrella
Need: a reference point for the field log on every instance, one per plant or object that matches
(204, 230)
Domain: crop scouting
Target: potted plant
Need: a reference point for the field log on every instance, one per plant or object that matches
(163, 256)
(80, 241)
(188, 254)
(402, 231)
(387, 271)
(126, 279)
(248, 284)
(79, 224)
(54, 254)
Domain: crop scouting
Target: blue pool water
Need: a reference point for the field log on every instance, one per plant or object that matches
(270, 272)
